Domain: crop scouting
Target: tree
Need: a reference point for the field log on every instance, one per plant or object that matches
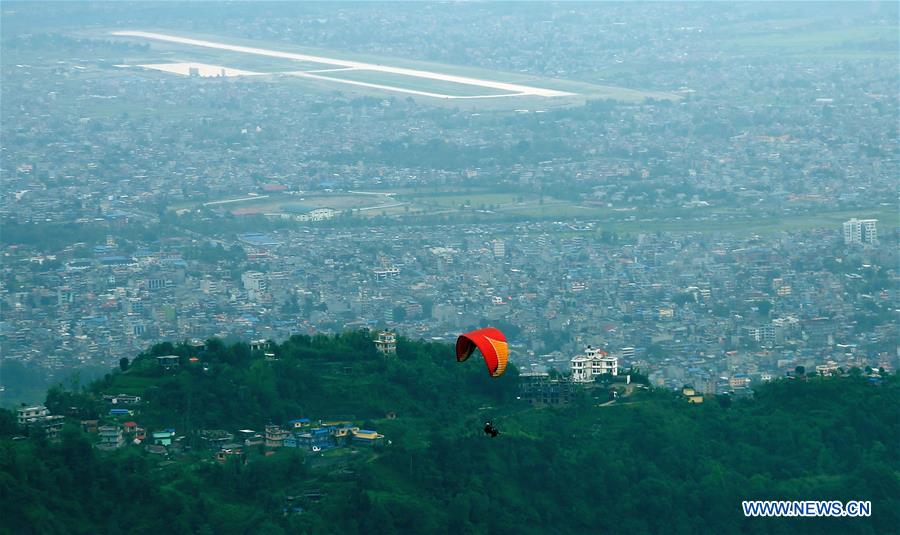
(8, 425)
(436, 465)
(123, 363)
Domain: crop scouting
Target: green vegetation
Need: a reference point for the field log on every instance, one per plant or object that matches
(856, 41)
(341, 376)
(474, 199)
(652, 463)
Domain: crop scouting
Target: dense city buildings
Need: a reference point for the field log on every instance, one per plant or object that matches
(688, 221)
(686, 307)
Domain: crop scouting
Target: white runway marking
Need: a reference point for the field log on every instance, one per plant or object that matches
(203, 70)
(514, 89)
(335, 70)
(306, 74)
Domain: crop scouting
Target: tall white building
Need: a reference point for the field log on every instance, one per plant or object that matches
(499, 248)
(860, 231)
(254, 281)
(593, 363)
(27, 415)
(386, 343)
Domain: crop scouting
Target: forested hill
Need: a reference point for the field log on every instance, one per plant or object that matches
(648, 463)
(338, 377)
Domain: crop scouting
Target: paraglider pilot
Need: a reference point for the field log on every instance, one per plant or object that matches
(489, 429)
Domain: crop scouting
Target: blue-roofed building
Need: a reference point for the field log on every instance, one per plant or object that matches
(315, 438)
(258, 239)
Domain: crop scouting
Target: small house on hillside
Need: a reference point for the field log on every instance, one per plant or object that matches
(168, 362)
(691, 395)
(231, 451)
(111, 437)
(318, 439)
(299, 423)
(365, 437)
(164, 437)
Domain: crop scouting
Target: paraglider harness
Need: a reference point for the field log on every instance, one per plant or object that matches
(489, 429)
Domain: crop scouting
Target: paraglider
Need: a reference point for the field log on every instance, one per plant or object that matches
(492, 344)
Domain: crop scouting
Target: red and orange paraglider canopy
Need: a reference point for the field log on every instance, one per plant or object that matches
(492, 344)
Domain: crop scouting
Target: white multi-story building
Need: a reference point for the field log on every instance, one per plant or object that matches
(319, 214)
(499, 247)
(581, 369)
(386, 271)
(111, 437)
(386, 343)
(785, 329)
(275, 436)
(592, 364)
(827, 369)
(31, 414)
(209, 286)
(764, 334)
(254, 281)
(38, 418)
(860, 231)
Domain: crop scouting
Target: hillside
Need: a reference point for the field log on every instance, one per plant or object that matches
(649, 463)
